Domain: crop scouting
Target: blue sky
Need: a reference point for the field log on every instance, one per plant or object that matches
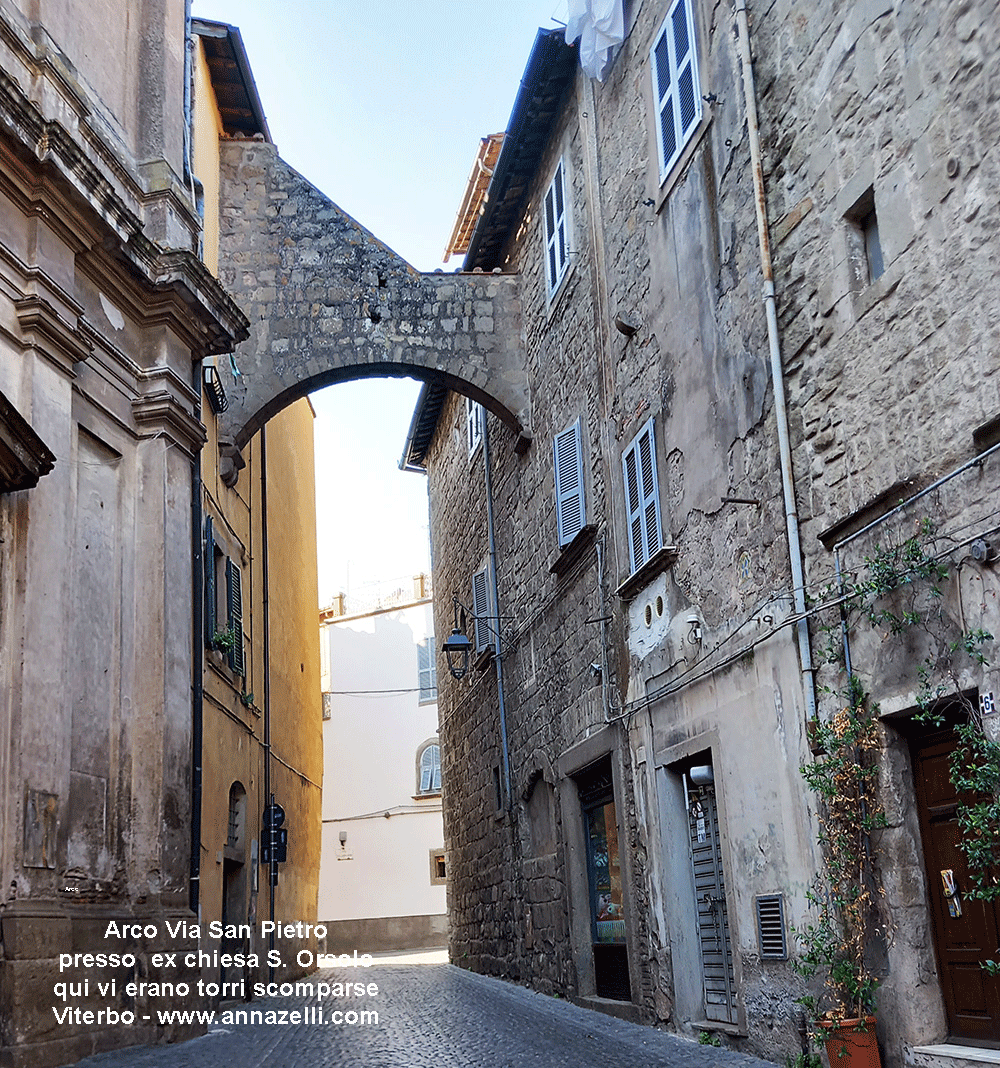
(381, 106)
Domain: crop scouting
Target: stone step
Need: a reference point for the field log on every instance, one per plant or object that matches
(950, 1055)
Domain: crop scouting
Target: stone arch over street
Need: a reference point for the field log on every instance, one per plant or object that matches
(328, 302)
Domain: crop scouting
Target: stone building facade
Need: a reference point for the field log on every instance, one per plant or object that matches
(751, 369)
(261, 711)
(109, 311)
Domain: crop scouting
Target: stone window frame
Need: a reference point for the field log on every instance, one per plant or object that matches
(436, 856)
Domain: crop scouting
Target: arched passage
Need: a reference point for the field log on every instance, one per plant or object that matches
(328, 302)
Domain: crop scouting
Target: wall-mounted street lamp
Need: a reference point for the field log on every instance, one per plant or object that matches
(457, 648)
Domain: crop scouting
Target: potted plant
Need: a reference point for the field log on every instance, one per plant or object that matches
(847, 893)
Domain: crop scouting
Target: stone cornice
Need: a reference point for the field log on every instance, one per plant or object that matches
(24, 458)
(166, 408)
(42, 326)
(205, 315)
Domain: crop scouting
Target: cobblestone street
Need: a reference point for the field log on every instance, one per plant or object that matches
(432, 1015)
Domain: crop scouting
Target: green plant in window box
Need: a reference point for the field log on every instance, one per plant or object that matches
(224, 641)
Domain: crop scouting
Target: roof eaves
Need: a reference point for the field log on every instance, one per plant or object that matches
(207, 28)
(551, 66)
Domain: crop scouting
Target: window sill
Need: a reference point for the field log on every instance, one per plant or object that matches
(483, 657)
(572, 552)
(661, 560)
(882, 287)
(431, 795)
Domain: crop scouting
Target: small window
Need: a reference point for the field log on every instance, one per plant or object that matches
(439, 867)
(570, 509)
(427, 671)
(473, 424)
(430, 770)
(873, 246)
(642, 497)
(864, 245)
(556, 240)
(676, 87)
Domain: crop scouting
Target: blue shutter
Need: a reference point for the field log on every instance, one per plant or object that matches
(481, 610)
(642, 497)
(570, 507)
(430, 770)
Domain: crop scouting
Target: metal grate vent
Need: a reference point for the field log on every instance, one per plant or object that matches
(771, 927)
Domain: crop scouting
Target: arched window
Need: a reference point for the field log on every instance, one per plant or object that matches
(429, 769)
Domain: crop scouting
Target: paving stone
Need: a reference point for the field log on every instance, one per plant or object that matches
(431, 1015)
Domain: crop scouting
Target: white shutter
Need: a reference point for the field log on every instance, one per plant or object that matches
(481, 609)
(427, 671)
(642, 497)
(676, 86)
(570, 507)
(473, 424)
(430, 770)
(556, 243)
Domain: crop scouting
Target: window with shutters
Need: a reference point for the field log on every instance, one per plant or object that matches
(556, 235)
(426, 671)
(474, 416)
(234, 605)
(676, 87)
(429, 769)
(570, 506)
(483, 623)
(642, 497)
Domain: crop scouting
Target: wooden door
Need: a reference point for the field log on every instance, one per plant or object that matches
(965, 931)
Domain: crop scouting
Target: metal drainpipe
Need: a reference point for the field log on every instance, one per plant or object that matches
(777, 373)
(197, 664)
(272, 867)
(498, 659)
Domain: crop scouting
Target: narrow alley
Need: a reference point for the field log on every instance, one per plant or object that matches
(430, 1014)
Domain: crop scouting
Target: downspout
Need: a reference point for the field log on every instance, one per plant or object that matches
(491, 531)
(272, 867)
(197, 662)
(197, 562)
(777, 373)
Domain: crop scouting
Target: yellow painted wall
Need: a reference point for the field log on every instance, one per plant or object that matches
(234, 708)
(205, 142)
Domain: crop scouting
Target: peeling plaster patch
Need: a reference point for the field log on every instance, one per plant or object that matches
(114, 316)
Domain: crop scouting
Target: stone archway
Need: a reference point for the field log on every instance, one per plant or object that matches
(327, 302)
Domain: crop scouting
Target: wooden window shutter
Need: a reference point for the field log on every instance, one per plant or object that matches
(556, 247)
(676, 84)
(208, 565)
(570, 506)
(430, 769)
(234, 597)
(481, 609)
(642, 497)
